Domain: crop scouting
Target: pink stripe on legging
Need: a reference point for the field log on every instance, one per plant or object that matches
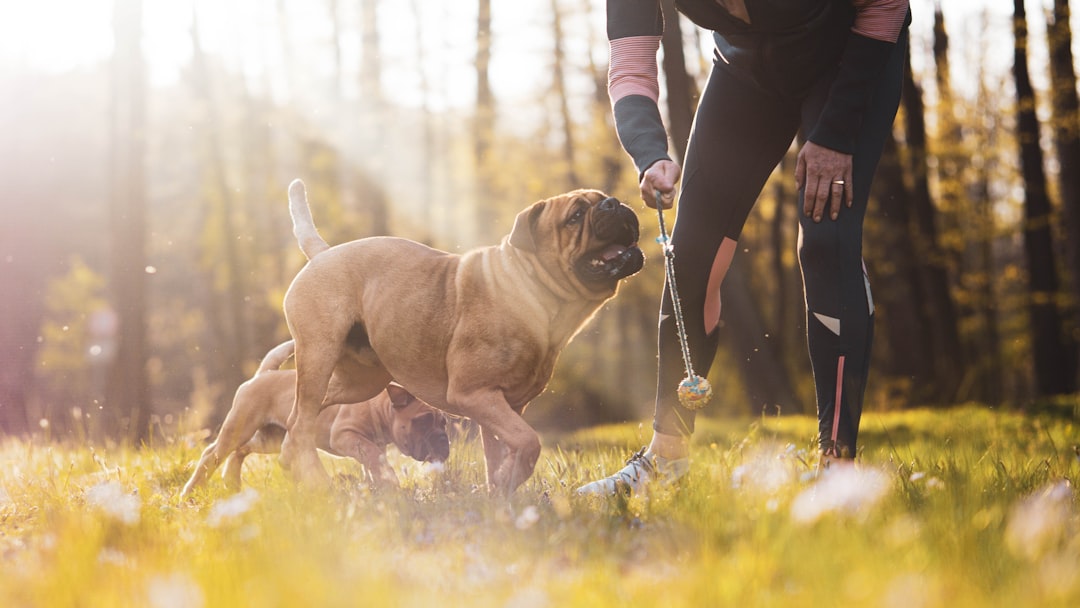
(720, 266)
(836, 405)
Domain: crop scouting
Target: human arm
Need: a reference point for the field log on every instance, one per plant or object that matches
(634, 29)
(826, 156)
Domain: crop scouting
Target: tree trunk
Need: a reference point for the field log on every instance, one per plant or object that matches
(967, 256)
(427, 157)
(370, 64)
(898, 288)
(1054, 370)
(335, 43)
(234, 343)
(371, 119)
(611, 161)
(484, 124)
(559, 84)
(127, 388)
(681, 89)
(987, 384)
(1066, 120)
(941, 330)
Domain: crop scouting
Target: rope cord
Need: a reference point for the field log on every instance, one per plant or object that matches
(669, 266)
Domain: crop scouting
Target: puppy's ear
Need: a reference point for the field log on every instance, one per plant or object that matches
(399, 397)
(524, 227)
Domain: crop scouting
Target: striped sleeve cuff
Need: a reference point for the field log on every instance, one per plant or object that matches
(633, 68)
(880, 19)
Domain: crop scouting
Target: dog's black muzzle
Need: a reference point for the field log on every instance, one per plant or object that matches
(616, 227)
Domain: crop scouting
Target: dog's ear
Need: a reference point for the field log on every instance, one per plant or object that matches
(524, 226)
(399, 397)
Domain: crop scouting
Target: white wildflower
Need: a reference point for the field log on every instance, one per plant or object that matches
(232, 507)
(529, 597)
(529, 516)
(113, 556)
(847, 490)
(932, 483)
(110, 498)
(174, 591)
(764, 471)
(911, 590)
(432, 469)
(1039, 521)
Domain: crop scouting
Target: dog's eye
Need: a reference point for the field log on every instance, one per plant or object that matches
(576, 216)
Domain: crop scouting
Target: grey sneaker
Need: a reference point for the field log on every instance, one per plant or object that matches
(640, 469)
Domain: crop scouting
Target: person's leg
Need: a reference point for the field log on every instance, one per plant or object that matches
(739, 135)
(839, 306)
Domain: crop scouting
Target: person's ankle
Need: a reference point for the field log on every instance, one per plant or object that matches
(669, 447)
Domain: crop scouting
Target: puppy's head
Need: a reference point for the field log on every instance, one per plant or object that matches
(419, 430)
(585, 232)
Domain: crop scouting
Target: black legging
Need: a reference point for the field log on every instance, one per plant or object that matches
(740, 133)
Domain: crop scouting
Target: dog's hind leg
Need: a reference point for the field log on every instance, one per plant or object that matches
(314, 368)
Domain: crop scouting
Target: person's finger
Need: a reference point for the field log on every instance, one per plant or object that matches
(646, 194)
(667, 199)
(821, 199)
(808, 199)
(836, 192)
(849, 189)
(800, 172)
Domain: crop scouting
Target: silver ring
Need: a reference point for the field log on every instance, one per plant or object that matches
(838, 182)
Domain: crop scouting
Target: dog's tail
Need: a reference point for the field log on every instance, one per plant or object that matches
(277, 356)
(303, 226)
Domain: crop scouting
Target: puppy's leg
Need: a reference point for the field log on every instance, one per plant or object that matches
(208, 462)
(234, 465)
(240, 424)
(267, 440)
(350, 443)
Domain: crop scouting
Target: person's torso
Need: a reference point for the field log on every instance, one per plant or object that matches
(786, 45)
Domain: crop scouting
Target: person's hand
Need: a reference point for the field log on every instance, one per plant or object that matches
(826, 176)
(662, 176)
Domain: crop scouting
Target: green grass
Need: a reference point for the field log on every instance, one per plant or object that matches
(973, 510)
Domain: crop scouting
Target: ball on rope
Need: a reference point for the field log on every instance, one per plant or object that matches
(694, 392)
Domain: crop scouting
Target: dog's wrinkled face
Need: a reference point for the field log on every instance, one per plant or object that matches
(592, 235)
(419, 430)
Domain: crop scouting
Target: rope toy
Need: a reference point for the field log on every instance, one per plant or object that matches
(694, 391)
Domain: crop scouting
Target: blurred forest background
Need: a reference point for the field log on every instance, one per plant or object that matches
(146, 148)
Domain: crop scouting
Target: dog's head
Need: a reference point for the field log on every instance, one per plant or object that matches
(585, 232)
(418, 429)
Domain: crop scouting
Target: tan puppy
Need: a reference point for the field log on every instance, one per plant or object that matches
(256, 424)
(475, 335)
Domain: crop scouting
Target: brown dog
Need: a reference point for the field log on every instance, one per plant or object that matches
(475, 335)
(256, 424)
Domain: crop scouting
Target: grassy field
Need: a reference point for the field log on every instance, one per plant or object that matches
(961, 507)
